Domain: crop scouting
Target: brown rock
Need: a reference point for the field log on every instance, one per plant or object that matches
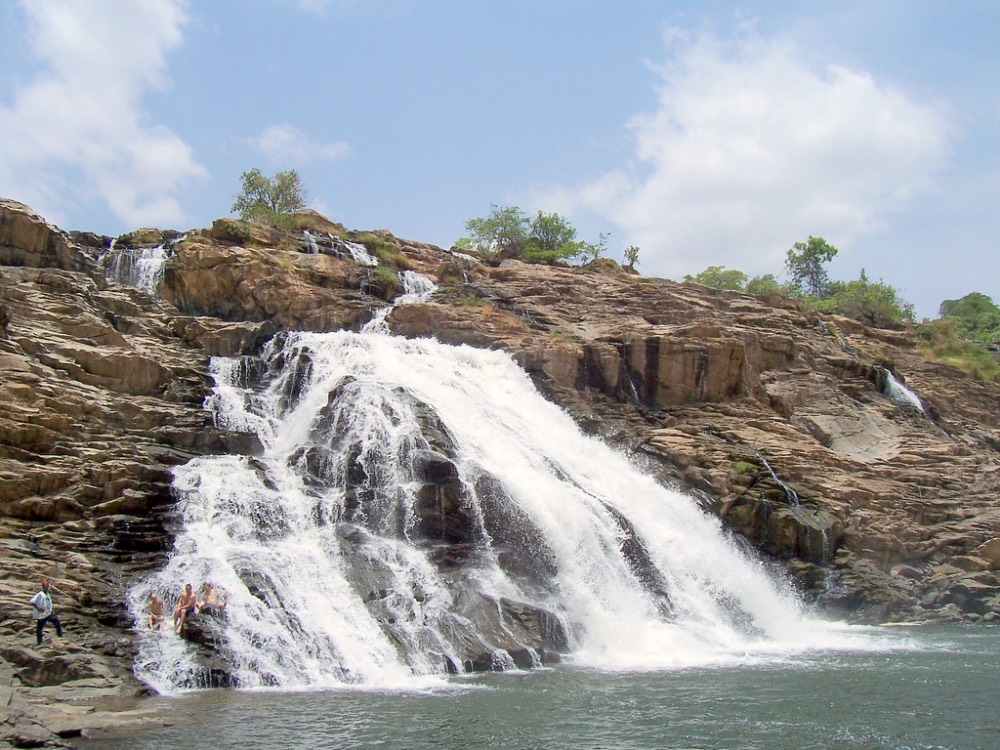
(751, 402)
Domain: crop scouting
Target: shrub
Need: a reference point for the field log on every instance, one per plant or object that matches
(383, 283)
(975, 316)
(872, 302)
(376, 243)
(942, 340)
(719, 277)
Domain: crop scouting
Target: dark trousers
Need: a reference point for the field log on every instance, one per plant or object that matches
(39, 624)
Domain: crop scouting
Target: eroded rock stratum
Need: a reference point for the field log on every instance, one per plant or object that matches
(776, 418)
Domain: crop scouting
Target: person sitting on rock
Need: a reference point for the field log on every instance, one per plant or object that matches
(212, 600)
(41, 612)
(187, 602)
(154, 612)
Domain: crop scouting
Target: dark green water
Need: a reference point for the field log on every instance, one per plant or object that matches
(941, 691)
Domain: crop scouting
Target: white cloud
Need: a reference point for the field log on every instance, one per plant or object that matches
(287, 145)
(77, 129)
(750, 150)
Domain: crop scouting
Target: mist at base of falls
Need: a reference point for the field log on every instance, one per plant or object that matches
(420, 509)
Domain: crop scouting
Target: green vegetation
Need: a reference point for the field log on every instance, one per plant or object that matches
(944, 341)
(270, 200)
(766, 284)
(384, 283)
(508, 233)
(873, 302)
(958, 338)
(550, 238)
(743, 467)
(146, 237)
(393, 257)
(383, 246)
(974, 316)
(471, 298)
(233, 230)
(719, 277)
(805, 263)
(592, 251)
(502, 234)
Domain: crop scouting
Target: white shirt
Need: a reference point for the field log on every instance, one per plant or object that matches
(41, 605)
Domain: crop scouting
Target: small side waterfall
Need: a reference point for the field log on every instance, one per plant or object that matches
(792, 495)
(416, 288)
(359, 253)
(140, 267)
(899, 393)
(420, 509)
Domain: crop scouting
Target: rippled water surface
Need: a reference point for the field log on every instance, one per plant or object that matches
(925, 688)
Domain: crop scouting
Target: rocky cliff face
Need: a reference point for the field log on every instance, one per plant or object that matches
(778, 419)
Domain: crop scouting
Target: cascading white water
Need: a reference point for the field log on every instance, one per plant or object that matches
(900, 394)
(416, 288)
(329, 582)
(360, 255)
(141, 267)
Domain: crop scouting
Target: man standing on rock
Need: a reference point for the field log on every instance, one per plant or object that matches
(41, 612)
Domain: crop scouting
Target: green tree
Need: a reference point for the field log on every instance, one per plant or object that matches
(550, 238)
(719, 277)
(975, 316)
(269, 200)
(873, 302)
(508, 233)
(631, 255)
(594, 250)
(942, 340)
(552, 231)
(805, 263)
(765, 285)
(503, 233)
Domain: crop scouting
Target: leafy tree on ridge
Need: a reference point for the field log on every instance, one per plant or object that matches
(719, 277)
(508, 233)
(551, 237)
(503, 233)
(269, 200)
(873, 302)
(805, 263)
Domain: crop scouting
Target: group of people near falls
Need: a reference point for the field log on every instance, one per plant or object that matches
(212, 601)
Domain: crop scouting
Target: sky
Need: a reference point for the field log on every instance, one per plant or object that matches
(705, 133)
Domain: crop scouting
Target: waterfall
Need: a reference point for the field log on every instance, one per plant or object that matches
(311, 242)
(419, 509)
(792, 495)
(900, 394)
(140, 267)
(359, 253)
(416, 288)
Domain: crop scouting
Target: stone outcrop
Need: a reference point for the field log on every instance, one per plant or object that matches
(772, 415)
